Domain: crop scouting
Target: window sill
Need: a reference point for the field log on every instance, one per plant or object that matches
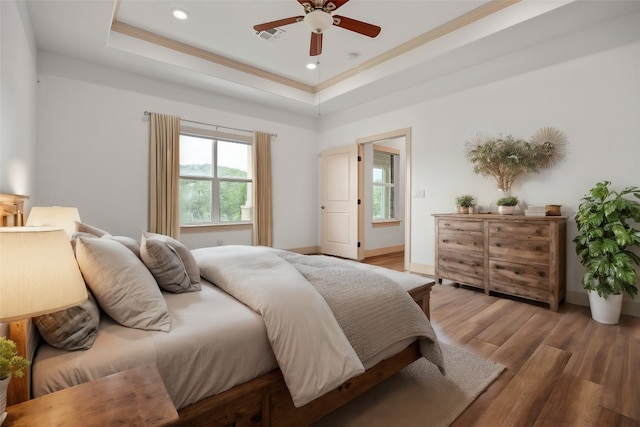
(200, 228)
(389, 223)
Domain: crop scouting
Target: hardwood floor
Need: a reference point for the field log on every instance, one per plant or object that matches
(562, 368)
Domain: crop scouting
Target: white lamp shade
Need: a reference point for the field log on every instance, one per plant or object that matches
(318, 20)
(38, 273)
(54, 216)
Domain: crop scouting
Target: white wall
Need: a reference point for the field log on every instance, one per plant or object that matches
(93, 140)
(594, 99)
(17, 99)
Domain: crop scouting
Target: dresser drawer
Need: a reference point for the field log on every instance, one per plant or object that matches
(459, 226)
(467, 269)
(527, 251)
(534, 230)
(461, 243)
(531, 275)
(521, 291)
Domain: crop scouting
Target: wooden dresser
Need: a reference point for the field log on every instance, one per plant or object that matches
(509, 254)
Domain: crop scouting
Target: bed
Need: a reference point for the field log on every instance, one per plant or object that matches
(230, 356)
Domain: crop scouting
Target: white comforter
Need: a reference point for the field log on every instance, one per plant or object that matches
(312, 351)
(310, 346)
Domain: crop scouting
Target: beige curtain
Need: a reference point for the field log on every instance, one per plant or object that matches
(262, 209)
(164, 175)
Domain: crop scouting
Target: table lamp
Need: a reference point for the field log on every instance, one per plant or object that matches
(54, 216)
(38, 275)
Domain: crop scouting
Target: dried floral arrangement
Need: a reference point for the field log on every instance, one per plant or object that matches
(506, 158)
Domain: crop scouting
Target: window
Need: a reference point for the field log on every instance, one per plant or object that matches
(215, 180)
(384, 185)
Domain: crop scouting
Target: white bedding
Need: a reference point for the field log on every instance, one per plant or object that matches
(209, 329)
(322, 315)
(313, 352)
(217, 342)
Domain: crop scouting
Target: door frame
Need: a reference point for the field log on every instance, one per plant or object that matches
(399, 133)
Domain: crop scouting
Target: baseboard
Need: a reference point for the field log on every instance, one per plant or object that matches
(307, 250)
(383, 251)
(427, 270)
(632, 308)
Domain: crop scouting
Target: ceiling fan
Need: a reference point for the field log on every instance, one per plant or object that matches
(318, 17)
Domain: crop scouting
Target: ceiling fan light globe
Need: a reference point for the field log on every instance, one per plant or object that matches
(318, 20)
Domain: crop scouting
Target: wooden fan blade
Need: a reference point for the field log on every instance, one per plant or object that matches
(360, 27)
(331, 5)
(278, 23)
(316, 44)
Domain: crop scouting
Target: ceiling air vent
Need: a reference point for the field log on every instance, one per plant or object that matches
(271, 33)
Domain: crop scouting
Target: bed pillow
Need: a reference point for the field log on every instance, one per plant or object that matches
(131, 243)
(90, 229)
(171, 263)
(122, 285)
(72, 329)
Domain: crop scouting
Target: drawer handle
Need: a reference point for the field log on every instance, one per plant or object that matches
(256, 418)
(536, 248)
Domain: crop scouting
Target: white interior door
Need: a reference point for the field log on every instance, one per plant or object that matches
(339, 209)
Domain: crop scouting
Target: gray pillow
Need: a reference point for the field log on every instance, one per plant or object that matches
(90, 229)
(72, 329)
(171, 263)
(129, 242)
(122, 285)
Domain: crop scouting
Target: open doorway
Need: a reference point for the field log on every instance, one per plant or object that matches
(384, 224)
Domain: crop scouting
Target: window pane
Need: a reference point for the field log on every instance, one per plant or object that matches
(383, 202)
(195, 201)
(234, 160)
(235, 201)
(382, 167)
(196, 156)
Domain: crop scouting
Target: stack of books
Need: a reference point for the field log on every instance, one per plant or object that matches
(536, 211)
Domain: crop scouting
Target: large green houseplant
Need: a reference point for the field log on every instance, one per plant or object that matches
(608, 234)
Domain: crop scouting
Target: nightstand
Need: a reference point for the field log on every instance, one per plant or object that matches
(135, 397)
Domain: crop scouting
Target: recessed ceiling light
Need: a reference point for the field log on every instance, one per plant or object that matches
(312, 65)
(180, 14)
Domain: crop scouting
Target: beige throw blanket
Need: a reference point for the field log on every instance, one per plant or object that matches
(318, 340)
(372, 310)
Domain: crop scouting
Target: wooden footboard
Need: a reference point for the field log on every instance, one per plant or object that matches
(264, 401)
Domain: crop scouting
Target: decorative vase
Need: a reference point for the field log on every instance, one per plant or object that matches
(607, 310)
(4, 385)
(506, 210)
(463, 209)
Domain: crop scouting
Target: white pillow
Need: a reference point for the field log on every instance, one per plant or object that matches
(171, 263)
(121, 284)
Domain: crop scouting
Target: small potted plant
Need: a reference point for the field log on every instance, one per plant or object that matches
(464, 202)
(606, 237)
(506, 205)
(10, 363)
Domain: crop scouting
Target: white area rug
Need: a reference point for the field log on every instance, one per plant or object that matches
(419, 395)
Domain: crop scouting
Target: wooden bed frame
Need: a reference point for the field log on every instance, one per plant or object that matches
(263, 401)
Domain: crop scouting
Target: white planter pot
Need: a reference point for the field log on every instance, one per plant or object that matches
(605, 311)
(506, 210)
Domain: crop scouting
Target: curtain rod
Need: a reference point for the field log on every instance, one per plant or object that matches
(275, 135)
